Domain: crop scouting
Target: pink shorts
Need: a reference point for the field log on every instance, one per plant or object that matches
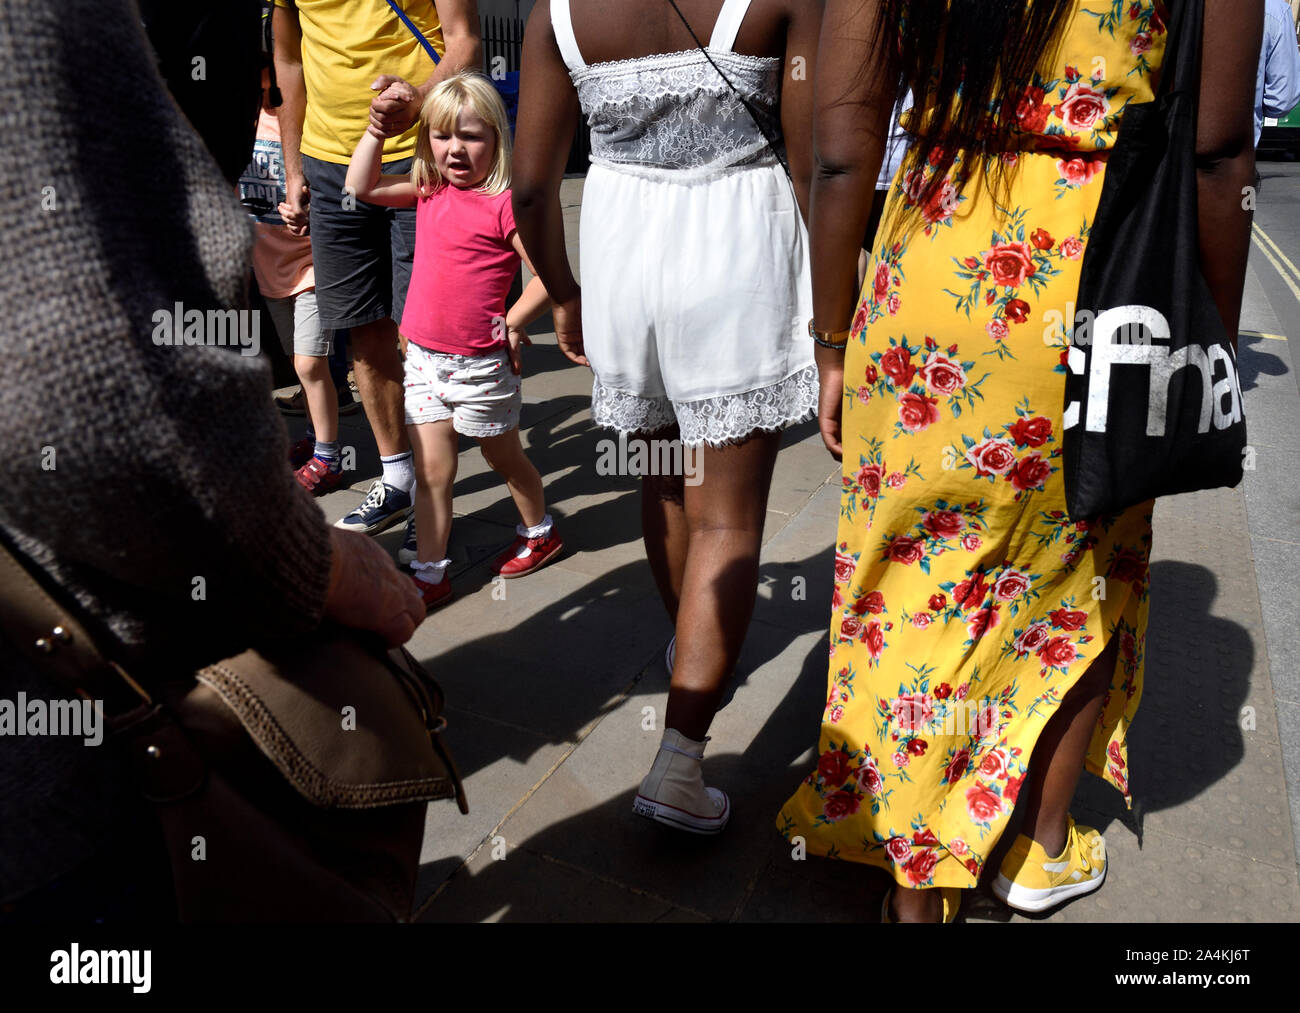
(478, 393)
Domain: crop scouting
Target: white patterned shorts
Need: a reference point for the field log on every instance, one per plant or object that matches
(478, 393)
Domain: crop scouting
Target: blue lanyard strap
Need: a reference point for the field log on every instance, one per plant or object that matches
(433, 53)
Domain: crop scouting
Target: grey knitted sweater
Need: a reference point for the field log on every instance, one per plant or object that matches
(130, 469)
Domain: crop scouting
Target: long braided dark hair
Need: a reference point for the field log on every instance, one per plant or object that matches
(969, 65)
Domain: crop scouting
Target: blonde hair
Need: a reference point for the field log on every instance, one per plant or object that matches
(439, 112)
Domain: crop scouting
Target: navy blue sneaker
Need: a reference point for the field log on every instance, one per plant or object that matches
(407, 553)
(383, 507)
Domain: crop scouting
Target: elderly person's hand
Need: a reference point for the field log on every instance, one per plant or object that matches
(367, 592)
(396, 106)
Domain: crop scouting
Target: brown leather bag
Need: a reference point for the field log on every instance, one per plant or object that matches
(290, 781)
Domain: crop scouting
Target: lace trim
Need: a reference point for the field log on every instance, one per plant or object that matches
(716, 421)
(674, 59)
(762, 157)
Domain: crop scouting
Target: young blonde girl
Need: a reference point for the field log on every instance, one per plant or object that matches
(463, 346)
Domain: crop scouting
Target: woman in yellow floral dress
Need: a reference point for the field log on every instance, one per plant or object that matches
(974, 626)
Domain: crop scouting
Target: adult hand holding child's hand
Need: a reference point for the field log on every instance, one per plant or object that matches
(396, 106)
(367, 592)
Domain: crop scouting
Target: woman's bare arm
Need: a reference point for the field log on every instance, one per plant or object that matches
(797, 93)
(854, 97)
(1225, 152)
(548, 116)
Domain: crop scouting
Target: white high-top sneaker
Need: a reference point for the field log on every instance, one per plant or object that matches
(674, 793)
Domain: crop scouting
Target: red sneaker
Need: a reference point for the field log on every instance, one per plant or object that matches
(433, 594)
(315, 476)
(528, 554)
(301, 452)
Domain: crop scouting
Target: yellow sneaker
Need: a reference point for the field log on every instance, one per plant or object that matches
(1031, 880)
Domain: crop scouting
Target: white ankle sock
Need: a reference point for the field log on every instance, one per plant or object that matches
(431, 573)
(541, 530)
(399, 471)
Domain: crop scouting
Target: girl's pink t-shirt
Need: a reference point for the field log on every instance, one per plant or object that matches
(464, 264)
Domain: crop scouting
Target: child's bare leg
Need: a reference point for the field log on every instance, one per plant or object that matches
(505, 455)
(322, 399)
(435, 449)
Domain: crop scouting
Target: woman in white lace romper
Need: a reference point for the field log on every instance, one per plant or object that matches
(696, 294)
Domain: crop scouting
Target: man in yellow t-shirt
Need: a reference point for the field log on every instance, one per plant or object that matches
(340, 64)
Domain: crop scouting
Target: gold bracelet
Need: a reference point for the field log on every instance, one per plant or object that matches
(837, 340)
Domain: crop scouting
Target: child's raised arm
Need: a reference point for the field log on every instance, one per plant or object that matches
(364, 181)
(530, 305)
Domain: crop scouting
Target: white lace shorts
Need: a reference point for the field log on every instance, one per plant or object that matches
(695, 304)
(478, 393)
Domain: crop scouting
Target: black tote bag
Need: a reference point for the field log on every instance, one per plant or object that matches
(1153, 403)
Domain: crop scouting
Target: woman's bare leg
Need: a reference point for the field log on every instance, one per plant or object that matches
(663, 528)
(724, 517)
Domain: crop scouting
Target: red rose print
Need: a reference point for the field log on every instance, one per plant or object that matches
(894, 303)
(917, 412)
(844, 566)
(943, 376)
(1120, 780)
(873, 603)
(982, 803)
(1072, 248)
(1011, 790)
(881, 289)
(921, 620)
(906, 550)
(1082, 106)
(860, 318)
(957, 766)
(872, 375)
(899, 849)
(869, 779)
(1011, 585)
(836, 713)
(957, 847)
(864, 394)
(1058, 652)
(1068, 620)
(938, 602)
(972, 262)
(837, 596)
(1031, 113)
(942, 691)
(840, 805)
(897, 364)
(997, 329)
(833, 768)
(994, 765)
(981, 622)
(1127, 566)
(912, 711)
(1017, 311)
(986, 722)
(967, 594)
(1077, 171)
(1010, 263)
(1032, 639)
(1141, 43)
(917, 747)
(896, 479)
(1127, 646)
(913, 185)
(971, 542)
(1031, 432)
(1115, 753)
(869, 476)
(973, 867)
(1042, 239)
(992, 457)
(921, 867)
(944, 523)
(901, 760)
(875, 639)
(1155, 24)
(1030, 472)
(941, 205)
(851, 627)
(925, 838)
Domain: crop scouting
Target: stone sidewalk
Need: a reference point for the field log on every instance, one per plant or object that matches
(553, 680)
